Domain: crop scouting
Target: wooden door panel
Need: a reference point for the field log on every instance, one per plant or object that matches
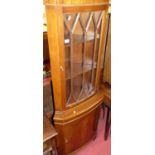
(76, 133)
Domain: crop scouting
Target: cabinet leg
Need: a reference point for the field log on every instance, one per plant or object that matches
(103, 110)
(108, 124)
(96, 123)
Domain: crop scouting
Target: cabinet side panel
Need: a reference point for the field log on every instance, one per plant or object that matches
(56, 49)
(107, 63)
(101, 49)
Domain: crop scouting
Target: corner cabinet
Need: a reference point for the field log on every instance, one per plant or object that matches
(76, 35)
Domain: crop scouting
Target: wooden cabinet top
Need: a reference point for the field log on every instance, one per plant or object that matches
(76, 2)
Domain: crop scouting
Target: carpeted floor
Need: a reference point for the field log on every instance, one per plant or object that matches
(99, 146)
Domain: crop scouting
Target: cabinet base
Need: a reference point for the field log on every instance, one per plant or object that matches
(77, 132)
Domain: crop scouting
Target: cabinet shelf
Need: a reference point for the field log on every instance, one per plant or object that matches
(78, 70)
(79, 39)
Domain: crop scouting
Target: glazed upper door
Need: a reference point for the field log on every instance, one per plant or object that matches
(82, 31)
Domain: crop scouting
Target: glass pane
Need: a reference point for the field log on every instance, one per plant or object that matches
(82, 37)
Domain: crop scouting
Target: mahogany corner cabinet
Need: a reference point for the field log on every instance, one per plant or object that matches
(76, 36)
